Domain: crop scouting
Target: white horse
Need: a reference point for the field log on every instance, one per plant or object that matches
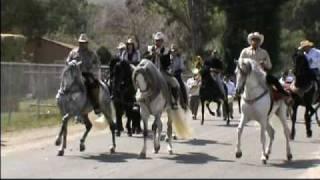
(153, 98)
(256, 104)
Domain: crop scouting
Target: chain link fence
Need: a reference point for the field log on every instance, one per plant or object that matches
(28, 90)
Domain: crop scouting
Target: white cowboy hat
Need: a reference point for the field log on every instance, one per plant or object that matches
(255, 35)
(130, 41)
(195, 71)
(158, 36)
(121, 45)
(305, 43)
(83, 38)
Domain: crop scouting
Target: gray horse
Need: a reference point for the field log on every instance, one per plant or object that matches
(154, 98)
(73, 102)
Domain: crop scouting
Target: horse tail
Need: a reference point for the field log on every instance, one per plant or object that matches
(180, 125)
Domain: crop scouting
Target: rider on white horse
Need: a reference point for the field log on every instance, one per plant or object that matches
(164, 64)
(255, 52)
(90, 68)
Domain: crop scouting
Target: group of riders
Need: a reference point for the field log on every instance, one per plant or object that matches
(172, 68)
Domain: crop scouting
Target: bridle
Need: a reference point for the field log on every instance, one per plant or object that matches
(244, 73)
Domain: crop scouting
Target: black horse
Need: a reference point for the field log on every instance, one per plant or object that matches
(305, 93)
(123, 95)
(210, 92)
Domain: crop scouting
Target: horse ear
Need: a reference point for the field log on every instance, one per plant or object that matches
(133, 67)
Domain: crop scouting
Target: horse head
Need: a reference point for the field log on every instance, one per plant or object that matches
(121, 79)
(242, 71)
(301, 69)
(71, 74)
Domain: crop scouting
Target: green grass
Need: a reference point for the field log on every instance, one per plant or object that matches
(27, 117)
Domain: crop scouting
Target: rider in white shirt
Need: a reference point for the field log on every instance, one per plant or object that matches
(313, 56)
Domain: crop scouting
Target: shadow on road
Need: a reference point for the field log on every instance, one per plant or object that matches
(202, 142)
(117, 157)
(299, 164)
(194, 158)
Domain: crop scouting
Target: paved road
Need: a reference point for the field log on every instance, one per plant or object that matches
(209, 154)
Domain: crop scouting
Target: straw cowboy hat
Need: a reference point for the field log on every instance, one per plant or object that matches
(158, 36)
(255, 35)
(121, 45)
(130, 41)
(305, 43)
(83, 38)
(195, 71)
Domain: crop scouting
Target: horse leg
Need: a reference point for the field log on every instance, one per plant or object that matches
(112, 127)
(271, 132)
(202, 112)
(281, 114)
(169, 134)
(88, 125)
(293, 119)
(307, 118)
(62, 132)
(228, 111)
(243, 120)
(157, 129)
(145, 134)
(239, 104)
(263, 126)
(129, 122)
(119, 113)
(218, 111)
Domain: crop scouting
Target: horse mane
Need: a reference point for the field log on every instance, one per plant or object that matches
(259, 73)
(66, 69)
(301, 70)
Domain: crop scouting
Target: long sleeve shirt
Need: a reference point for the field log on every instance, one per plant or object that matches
(90, 62)
(260, 55)
(313, 57)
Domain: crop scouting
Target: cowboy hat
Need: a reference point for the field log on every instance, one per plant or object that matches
(130, 41)
(158, 36)
(195, 71)
(121, 45)
(305, 43)
(255, 35)
(83, 38)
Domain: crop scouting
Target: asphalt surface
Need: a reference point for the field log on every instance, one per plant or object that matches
(210, 153)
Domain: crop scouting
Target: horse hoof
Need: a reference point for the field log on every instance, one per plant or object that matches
(289, 157)
(112, 150)
(238, 154)
(143, 155)
(267, 157)
(292, 137)
(58, 142)
(174, 137)
(309, 134)
(156, 149)
(130, 134)
(82, 147)
(170, 152)
(118, 133)
(60, 153)
(228, 123)
(264, 161)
